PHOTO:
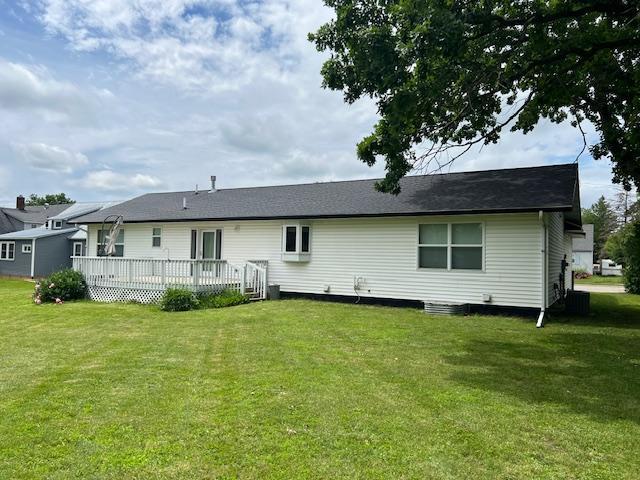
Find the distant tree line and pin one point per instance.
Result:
(50, 199)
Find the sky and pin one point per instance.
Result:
(109, 99)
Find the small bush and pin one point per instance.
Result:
(61, 286)
(178, 300)
(226, 298)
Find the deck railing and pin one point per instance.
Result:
(160, 274)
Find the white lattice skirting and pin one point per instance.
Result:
(119, 294)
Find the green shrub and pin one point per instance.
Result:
(61, 286)
(178, 300)
(226, 298)
(632, 269)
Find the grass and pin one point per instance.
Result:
(600, 280)
(301, 389)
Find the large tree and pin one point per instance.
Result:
(50, 198)
(451, 74)
(605, 222)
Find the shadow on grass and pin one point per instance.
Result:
(607, 310)
(593, 374)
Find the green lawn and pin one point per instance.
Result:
(301, 389)
(600, 280)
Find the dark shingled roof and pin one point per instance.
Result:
(548, 188)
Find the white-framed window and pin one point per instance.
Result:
(57, 224)
(119, 243)
(296, 242)
(26, 248)
(156, 237)
(296, 239)
(34, 225)
(7, 251)
(77, 249)
(451, 246)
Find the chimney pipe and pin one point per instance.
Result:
(20, 202)
(184, 203)
(213, 183)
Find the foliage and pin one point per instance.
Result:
(50, 198)
(632, 268)
(581, 273)
(61, 286)
(616, 246)
(178, 300)
(300, 389)
(226, 298)
(604, 221)
(456, 74)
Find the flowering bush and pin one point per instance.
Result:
(60, 287)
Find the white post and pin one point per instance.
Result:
(243, 278)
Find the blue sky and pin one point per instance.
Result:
(112, 98)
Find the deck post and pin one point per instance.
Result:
(243, 279)
(164, 273)
(196, 274)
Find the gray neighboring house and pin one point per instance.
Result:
(582, 253)
(47, 246)
(24, 217)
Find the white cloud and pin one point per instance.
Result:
(32, 88)
(195, 45)
(110, 181)
(50, 157)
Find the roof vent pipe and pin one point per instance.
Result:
(213, 184)
(184, 203)
(196, 192)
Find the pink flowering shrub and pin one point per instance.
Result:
(60, 287)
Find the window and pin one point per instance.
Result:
(34, 225)
(77, 249)
(304, 248)
(296, 243)
(119, 243)
(291, 240)
(7, 251)
(156, 237)
(451, 246)
(26, 248)
(57, 224)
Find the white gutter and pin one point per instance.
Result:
(33, 257)
(543, 269)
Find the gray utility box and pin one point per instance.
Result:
(577, 303)
(273, 292)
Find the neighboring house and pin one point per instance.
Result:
(42, 250)
(25, 217)
(489, 238)
(582, 256)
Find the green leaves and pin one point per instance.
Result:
(440, 71)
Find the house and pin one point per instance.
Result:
(25, 217)
(48, 245)
(493, 238)
(582, 255)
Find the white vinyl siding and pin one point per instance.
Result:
(556, 252)
(381, 250)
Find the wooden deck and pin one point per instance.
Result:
(159, 274)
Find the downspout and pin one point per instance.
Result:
(543, 270)
(33, 257)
